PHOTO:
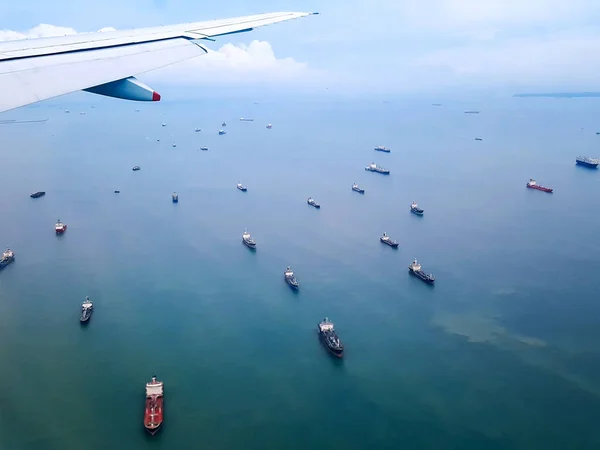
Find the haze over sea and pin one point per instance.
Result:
(501, 354)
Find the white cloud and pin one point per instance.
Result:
(42, 30)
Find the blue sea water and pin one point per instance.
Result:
(501, 354)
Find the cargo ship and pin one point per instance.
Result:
(312, 202)
(375, 168)
(415, 269)
(414, 208)
(587, 161)
(197, 130)
(153, 413)
(37, 194)
(269, 126)
(60, 227)
(471, 111)
(478, 139)
(175, 197)
(290, 278)
(224, 124)
(87, 307)
(248, 241)
(355, 188)
(7, 257)
(245, 119)
(532, 184)
(222, 132)
(135, 168)
(387, 240)
(381, 148)
(241, 187)
(330, 338)
(204, 148)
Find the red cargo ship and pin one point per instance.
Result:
(532, 184)
(153, 414)
(60, 227)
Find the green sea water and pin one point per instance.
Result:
(501, 354)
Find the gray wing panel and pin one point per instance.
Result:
(28, 80)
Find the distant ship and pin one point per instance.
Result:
(414, 208)
(330, 338)
(290, 278)
(175, 197)
(532, 184)
(436, 104)
(67, 111)
(415, 269)
(117, 191)
(478, 139)
(387, 240)
(312, 202)
(87, 307)
(153, 413)
(134, 168)
(381, 148)
(203, 148)
(248, 241)
(269, 126)
(587, 161)
(197, 130)
(471, 111)
(241, 187)
(37, 194)
(243, 119)
(224, 124)
(7, 257)
(164, 124)
(374, 168)
(355, 188)
(222, 132)
(174, 144)
(60, 227)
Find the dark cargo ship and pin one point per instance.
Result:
(7, 257)
(37, 194)
(290, 278)
(355, 188)
(241, 187)
(414, 208)
(375, 168)
(175, 197)
(587, 161)
(153, 413)
(312, 202)
(87, 307)
(387, 240)
(415, 269)
(330, 338)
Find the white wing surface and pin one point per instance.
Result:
(32, 70)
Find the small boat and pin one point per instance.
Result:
(355, 188)
(243, 119)
(224, 124)
(415, 269)
(67, 111)
(153, 413)
(381, 148)
(375, 168)
(37, 194)
(587, 161)
(330, 338)
(414, 208)
(222, 132)
(532, 184)
(387, 240)
(471, 111)
(60, 227)
(241, 187)
(203, 148)
(269, 126)
(478, 139)
(117, 191)
(82, 113)
(164, 124)
(174, 144)
(197, 130)
(87, 307)
(8, 256)
(312, 202)
(290, 278)
(247, 240)
(175, 197)
(135, 168)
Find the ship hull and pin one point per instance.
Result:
(418, 212)
(61, 230)
(381, 150)
(6, 262)
(335, 351)
(243, 189)
(360, 191)
(37, 194)
(250, 245)
(314, 205)
(382, 172)
(540, 188)
(421, 276)
(587, 164)
(391, 244)
(291, 283)
(153, 415)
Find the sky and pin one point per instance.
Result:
(366, 46)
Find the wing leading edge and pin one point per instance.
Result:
(32, 70)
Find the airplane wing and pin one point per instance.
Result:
(104, 63)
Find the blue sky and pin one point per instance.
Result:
(365, 45)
